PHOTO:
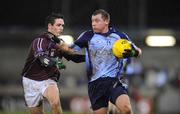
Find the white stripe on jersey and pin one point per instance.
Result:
(38, 43)
(41, 44)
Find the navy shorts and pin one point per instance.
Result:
(103, 90)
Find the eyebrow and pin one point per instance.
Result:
(61, 24)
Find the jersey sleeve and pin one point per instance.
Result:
(82, 41)
(125, 36)
(40, 45)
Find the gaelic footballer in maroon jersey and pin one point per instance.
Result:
(43, 65)
(44, 47)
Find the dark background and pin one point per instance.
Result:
(153, 13)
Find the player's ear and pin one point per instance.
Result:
(107, 21)
(49, 25)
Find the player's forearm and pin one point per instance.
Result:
(70, 54)
(75, 57)
(78, 58)
(139, 51)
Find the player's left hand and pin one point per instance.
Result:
(130, 53)
(60, 65)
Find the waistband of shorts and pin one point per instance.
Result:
(104, 79)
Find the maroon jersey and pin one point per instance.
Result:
(41, 46)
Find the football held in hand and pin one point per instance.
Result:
(119, 46)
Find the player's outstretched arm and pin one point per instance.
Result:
(70, 54)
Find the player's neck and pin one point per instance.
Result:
(105, 30)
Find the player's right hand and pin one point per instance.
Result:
(130, 53)
(65, 49)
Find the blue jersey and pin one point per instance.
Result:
(100, 60)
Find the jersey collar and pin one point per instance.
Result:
(111, 30)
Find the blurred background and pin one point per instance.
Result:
(154, 77)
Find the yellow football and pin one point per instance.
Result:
(119, 46)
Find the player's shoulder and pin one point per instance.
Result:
(41, 38)
(116, 30)
(87, 33)
(119, 32)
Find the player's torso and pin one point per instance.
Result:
(103, 61)
(33, 68)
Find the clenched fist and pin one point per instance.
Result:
(63, 47)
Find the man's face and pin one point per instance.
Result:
(57, 27)
(99, 25)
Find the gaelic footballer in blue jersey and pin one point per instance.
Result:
(103, 68)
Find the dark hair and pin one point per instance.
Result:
(51, 18)
(105, 14)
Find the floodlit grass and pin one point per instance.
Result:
(29, 113)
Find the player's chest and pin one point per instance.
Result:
(51, 51)
(100, 42)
